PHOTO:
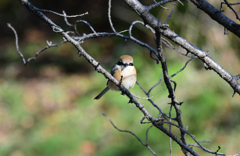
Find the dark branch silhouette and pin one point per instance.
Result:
(163, 36)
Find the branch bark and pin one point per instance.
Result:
(171, 91)
(160, 29)
(156, 24)
(217, 15)
(100, 69)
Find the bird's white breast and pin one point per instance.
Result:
(129, 77)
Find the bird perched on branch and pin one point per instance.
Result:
(125, 72)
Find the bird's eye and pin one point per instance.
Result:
(120, 63)
(130, 64)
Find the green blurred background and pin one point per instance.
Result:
(47, 107)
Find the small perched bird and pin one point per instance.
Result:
(123, 71)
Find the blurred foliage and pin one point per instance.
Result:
(47, 107)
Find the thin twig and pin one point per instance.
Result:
(45, 48)
(133, 38)
(169, 45)
(99, 69)
(49, 45)
(160, 111)
(170, 14)
(152, 6)
(109, 16)
(88, 24)
(170, 139)
(180, 2)
(230, 6)
(148, 94)
(144, 98)
(140, 22)
(182, 68)
(171, 91)
(63, 15)
(155, 84)
(66, 19)
(16, 41)
(127, 131)
(214, 13)
(198, 143)
(147, 132)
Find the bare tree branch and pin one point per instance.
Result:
(63, 15)
(91, 60)
(160, 30)
(156, 24)
(170, 14)
(230, 6)
(182, 68)
(217, 15)
(127, 131)
(16, 42)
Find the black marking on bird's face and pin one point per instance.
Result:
(120, 63)
(124, 65)
(131, 64)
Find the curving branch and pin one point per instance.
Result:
(171, 91)
(159, 29)
(156, 24)
(182, 67)
(90, 59)
(127, 131)
(230, 6)
(25, 62)
(100, 69)
(217, 15)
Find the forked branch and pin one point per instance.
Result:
(160, 30)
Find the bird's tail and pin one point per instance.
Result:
(102, 93)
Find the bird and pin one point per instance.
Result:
(125, 72)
